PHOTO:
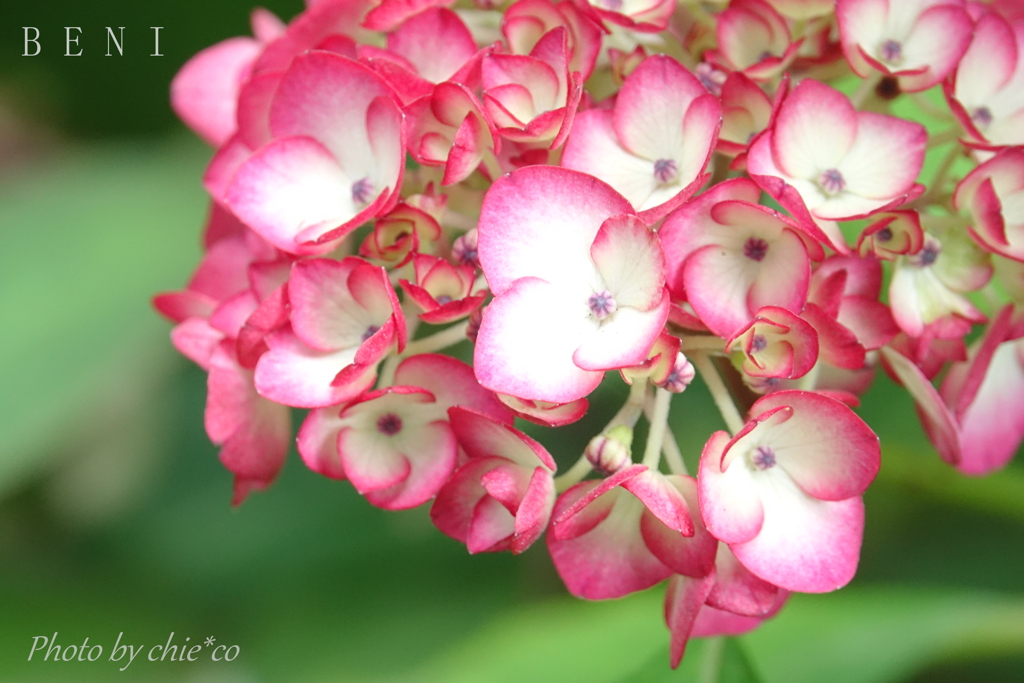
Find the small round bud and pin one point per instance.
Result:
(681, 375)
(464, 250)
(476, 318)
(610, 452)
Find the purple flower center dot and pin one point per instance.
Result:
(601, 304)
(892, 52)
(764, 458)
(755, 249)
(928, 255)
(758, 343)
(389, 424)
(832, 181)
(665, 170)
(982, 116)
(362, 191)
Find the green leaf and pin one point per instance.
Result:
(882, 635)
(857, 635)
(87, 239)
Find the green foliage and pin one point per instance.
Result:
(713, 660)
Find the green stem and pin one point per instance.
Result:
(437, 341)
(945, 137)
(659, 425)
(939, 179)
(387, 371)
(492, 166)
(711, 665)
(808, 381)
(628, 414)
(669, 448)
(719, 392)
(673, 456)
(702, 343)
(930, 109)
(865, 89)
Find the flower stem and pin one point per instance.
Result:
(493, 166)
(943, 138)
(866, 89)
(673, 456)
(387, 371)
(702, 343)
(628, 414)
(930, 109)
(669, 449)
(719, 392)
(437, 341)
(659, 425)
(939, 179)
(714, 648)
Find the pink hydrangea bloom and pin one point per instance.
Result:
(655, 143)
(579, 284)
(784, 493)
(919, 42)
(823, 160)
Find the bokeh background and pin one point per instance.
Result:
(115, 515)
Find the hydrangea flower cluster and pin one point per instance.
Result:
(656, 188)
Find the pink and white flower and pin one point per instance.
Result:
(845, 294)
(894, 234)
(926, 290)
(545, 412)
(433, 46)
(336, 158)
(395, 444)
(919, 42)
(449, 127)
(253, 432)
(784, 493)
(746, 111)
(987, 92)
(579, 285)
(648, 16)
(824, 160)
(728, 257)
(655, 143)
(400, 234)
(753, 39)
(502, 497)
(611, 537)
(994, 194)
(776, 343)
(533, 98)
(976, 419)
(728, 601)
(527, 21)
(345, 318)
(445, 292)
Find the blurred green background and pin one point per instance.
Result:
(115, 515)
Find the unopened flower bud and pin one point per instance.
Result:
(681, 375)
(610, 452)
(464, 250)
(475, 319)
